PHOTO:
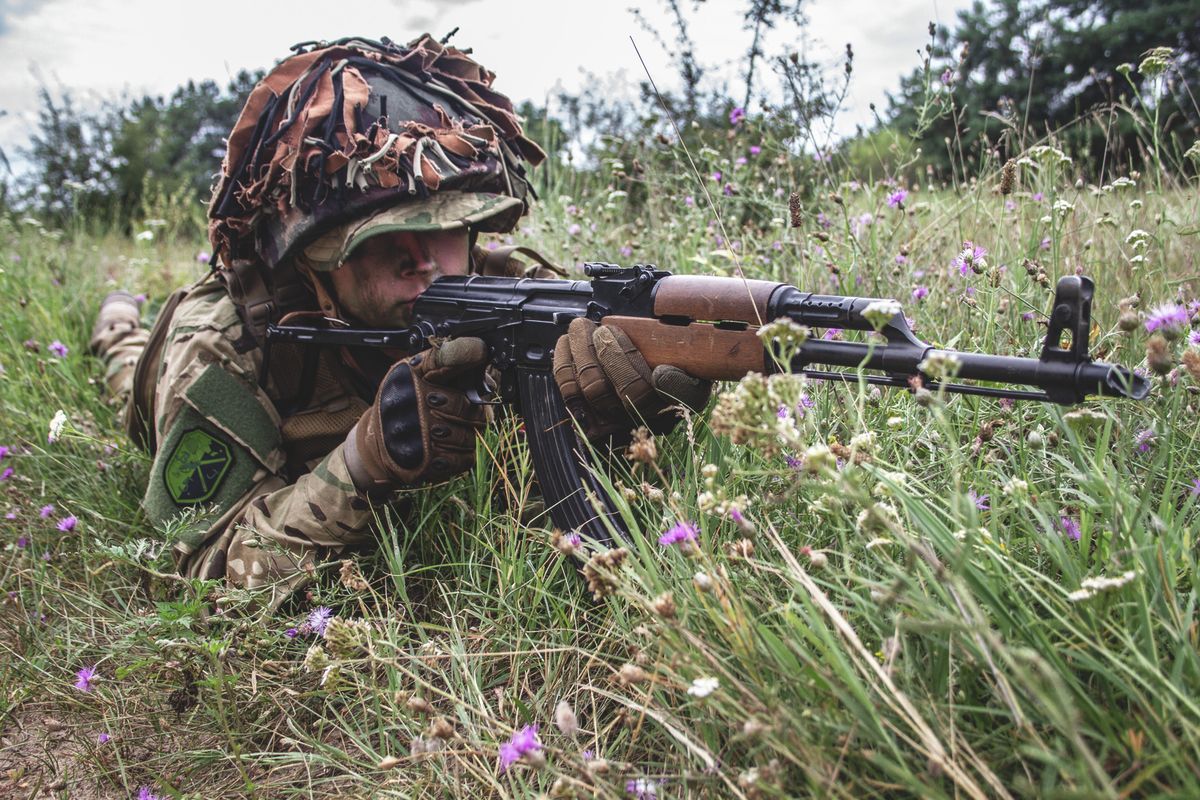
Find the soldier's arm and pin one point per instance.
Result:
(217, 485)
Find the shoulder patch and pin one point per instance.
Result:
(196, 466)
(199, 473)
(234, 407)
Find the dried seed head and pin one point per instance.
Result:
(388, 762)
(703, 582)
(664, 605)
(564, 543)
(753, 728)
(564, 718)
(642, 449)
(347, 638)
(1191, 362)
(631, 675)
(419, 705)
(600, 572)
(441, 728)
(1158, 355)
(795, 213)
(1008, 177)
(817, 559)
(1129, 321)
(351, 576)
(741, 549)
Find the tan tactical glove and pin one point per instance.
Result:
(610, 389)
(421, 428)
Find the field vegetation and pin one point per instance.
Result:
(831, 590)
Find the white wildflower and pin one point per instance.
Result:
(57, 424)
(1015, 487)
(145, 236)
(703, 687)
(881, 312)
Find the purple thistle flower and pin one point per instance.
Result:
(318, 619)
(832, 334)
(1169, 318)
(794, 463)
(145, 793)
(971, 259)
(1045, 245)
(522, 742)
(920, 292)
(1038, 197)
(896, 199)
(727, 190)
(678, 533)
(740, 161)
(139, 298)
(782, 413)
(67, 523)
(11, 515)
(1009, 205)
(203, 257)
(1194, 338)
(823, 220)
(8, 473)
(755, 149)
(1144, 440)
(46, 511)
(103, 738)
(626, 251)
(292, 633)
(1070, 528)
(1196, 487)
(689, 201)
(4, 451)
(84, 679)
(947, 77)
(980, 500)
(1027, 316)
(22, 542)
(573, 229)
(736, 515)
(737, 115)
(58, 348)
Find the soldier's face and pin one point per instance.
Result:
(384, 275)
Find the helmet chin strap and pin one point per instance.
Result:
(317, 281)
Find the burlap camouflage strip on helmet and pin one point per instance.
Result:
(343, 130)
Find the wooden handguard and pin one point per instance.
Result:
(699, 349)
(709, 298)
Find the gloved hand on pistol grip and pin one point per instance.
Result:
(421, 428)
(609, 387)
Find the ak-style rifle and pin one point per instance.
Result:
(708, 326)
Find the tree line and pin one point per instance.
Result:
(1084, 75)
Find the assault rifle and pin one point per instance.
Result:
(708, 327)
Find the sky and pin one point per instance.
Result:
(99, 49)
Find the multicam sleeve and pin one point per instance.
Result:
(217, 487)
(279, 531)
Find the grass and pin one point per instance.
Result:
(874, 629)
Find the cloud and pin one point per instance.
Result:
(12, 10)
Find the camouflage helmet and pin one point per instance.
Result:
(342, 132)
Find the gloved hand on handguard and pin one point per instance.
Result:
(421, 428)
(609, 388)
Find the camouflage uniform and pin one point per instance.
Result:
(245, 491)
